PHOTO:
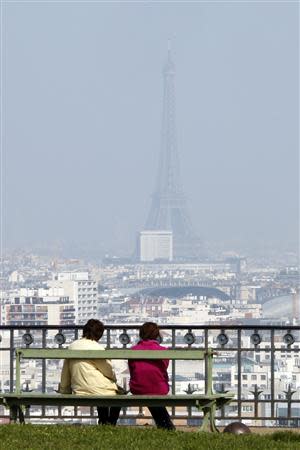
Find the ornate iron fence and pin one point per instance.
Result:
(260, 363)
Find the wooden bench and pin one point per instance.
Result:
(208, 403)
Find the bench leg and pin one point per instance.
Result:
(212, 417)
(208, 422)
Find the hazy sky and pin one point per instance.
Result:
(82, 109)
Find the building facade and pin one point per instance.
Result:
(156, 245)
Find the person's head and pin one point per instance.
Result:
(93, 330)
(149, 330)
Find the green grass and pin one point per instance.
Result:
(25, 437)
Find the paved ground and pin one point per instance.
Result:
(256, 430)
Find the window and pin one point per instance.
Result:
(247, 408)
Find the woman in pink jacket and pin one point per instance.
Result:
(150, 377)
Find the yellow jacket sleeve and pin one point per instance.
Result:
(65, 379)
(105, 367)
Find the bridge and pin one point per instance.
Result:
(179, 292)
(229, 289)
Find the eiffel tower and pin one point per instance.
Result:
(169, 207)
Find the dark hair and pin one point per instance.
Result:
(93, 330)
(149, 330)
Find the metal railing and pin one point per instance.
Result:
(260, 363)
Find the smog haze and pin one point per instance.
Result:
(82, 114)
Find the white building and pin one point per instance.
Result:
(34, 309)
(156, 246)
(83, 292)
(71, 276)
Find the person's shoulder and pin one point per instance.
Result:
(85, 344)
(135, 347)
(94, 345)
(161, 347)
(74, 345)
(98, 346)
(150, 344)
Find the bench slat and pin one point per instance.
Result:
(41, 395)
(40, 399)
(111, 354)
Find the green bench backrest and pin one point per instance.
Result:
(179, 354)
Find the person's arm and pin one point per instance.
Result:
(64, 386)
(165, 363)
(105, 367)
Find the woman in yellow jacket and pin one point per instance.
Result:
(91, 377)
